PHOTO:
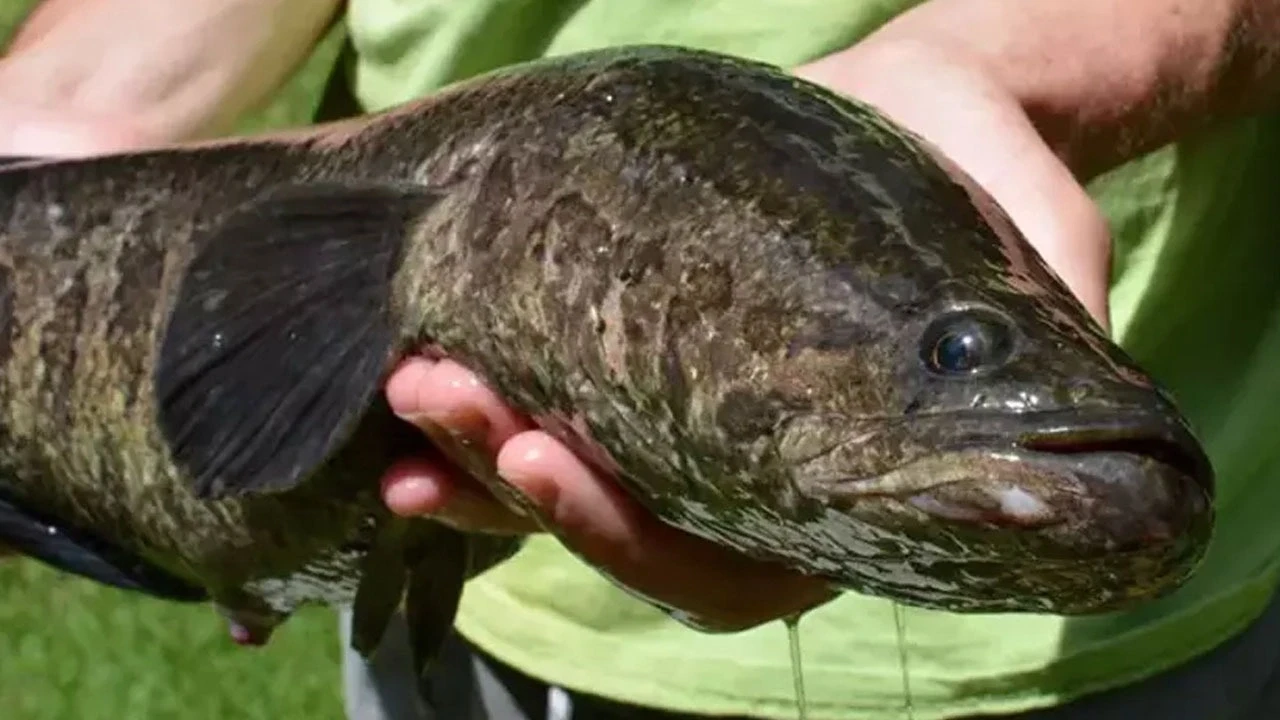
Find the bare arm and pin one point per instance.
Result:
(151, 71)
(1103, 80)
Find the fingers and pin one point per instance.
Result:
(434, 486)
(462, 415)
(447, 396)
(31, 131)
(714, 586)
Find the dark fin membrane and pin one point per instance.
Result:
(65, 548)
(281, 334)
(438, 571)
(382, 581)
(7, 160)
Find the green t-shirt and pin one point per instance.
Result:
(1194, 299)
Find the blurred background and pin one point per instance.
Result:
(72, 649)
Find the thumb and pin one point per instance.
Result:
(34, 132)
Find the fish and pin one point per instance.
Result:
(781, 321)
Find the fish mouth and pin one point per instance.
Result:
(1158, 438)
(1067, 512)
(1140, 485)
(1077, 485)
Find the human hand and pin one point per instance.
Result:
(31, 131)
(715, 588)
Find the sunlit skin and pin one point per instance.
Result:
(719, 587)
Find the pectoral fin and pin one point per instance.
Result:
(436, 577)
(382, 581)
(281, 334)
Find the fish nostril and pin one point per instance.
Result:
(1078, 391)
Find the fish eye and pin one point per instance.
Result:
(967, 342)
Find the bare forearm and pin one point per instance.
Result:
(1106, 80)
(162, 70)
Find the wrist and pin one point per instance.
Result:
(188, 70)
(1104, 82)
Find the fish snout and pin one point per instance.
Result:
(1143, 482)
(1066, 514)
(1078, 486)
(1082, 516)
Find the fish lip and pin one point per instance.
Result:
(1163, 438)
(1157, 434)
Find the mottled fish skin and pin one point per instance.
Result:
(705, 275)
(89, 255)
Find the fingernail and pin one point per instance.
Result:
(416, 496)
(248, 628)
(529, 455)
(467, 380)
(519, 500)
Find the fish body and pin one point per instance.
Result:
(782, 322)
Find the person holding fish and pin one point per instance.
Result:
(1132, 143)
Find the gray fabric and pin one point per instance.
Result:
(382, 688)
(463, 687)
(1240, 680)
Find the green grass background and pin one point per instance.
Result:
(70, 649)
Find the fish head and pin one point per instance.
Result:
(951, 409)
(984, 445)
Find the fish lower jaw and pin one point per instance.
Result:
(1014, 530)
(990, 486)
(915, 476)
(1124, 499)
(1060, 586)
